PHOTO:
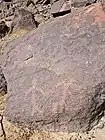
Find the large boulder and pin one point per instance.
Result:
(56, 74)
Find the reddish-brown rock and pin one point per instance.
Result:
(56, 74)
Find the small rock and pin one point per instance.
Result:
(60, 8)
(55, 8)
(39, 18)
(40, 8)
(103, 119)
(30, 2)
(23, 19)
(81, 3)
(3, 83)
(31, 8)
(65, 7)
(100, 125)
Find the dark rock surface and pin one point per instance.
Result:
(56, 74)
(4, 29)
(3, 83)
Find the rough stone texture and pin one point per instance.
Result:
(56, 74)
(23, 19)
(3, 83)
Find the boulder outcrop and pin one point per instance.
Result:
(56, 74)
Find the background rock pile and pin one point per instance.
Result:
(42, 10)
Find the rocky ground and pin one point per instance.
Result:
(42, 10)
(14, 25)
